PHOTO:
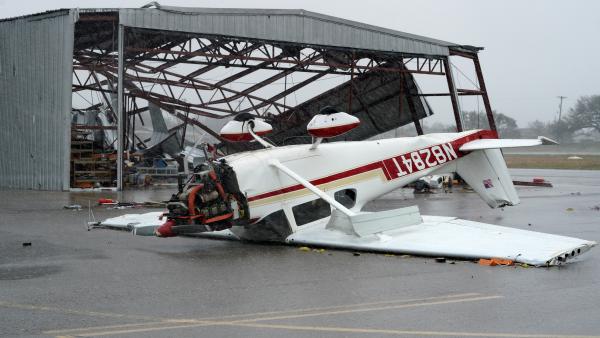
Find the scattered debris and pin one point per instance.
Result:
(422, 186)
(496, 261)
(570, 209)
(107, 201)
(440, 260)
(114, 204)
(428, 184)
(319, 250)
(574, 158)
(304, 249)
(536, 182)
(596, 207)
(26, 243)
(356, 253)
(405, 256)
(390, 255)
(73, 207)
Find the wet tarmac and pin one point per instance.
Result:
(70, 282)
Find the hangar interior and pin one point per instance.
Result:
(121, 93)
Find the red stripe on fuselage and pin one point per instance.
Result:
(327, 179)
(389, 167)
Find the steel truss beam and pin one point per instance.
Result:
(482, 88)
(152, 71)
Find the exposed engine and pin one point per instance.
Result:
(210, 201)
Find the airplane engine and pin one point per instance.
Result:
(210, 201)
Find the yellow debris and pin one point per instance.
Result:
(304, 248)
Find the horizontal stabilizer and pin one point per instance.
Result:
(505, 143)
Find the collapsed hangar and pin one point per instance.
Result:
(202, 66)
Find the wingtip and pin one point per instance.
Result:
(547, 141)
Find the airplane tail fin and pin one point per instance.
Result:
(486, 172)
(484, 169)
(158, 121)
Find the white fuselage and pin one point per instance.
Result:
(372, 168)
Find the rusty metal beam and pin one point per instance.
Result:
(453, 96)
(84, 17)
(196, 81)
(208, 68)
(461, 92)
(484, 94)
(411, 105)
(284, 61)
(292, 89)
(108, 101)
(463, 54)
(260, 85)
(241, 74)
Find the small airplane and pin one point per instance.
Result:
(313, 194)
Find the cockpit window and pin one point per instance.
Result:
(346, 197)
(311, 211)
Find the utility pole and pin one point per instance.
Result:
(558, 125)
(560, 106)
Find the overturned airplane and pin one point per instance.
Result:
(312, 194)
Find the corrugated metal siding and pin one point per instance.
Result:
(36, 58)
(279, 25)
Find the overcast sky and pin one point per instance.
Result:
(534, 50)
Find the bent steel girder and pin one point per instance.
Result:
(173, 70)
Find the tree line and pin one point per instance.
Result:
(582, 122)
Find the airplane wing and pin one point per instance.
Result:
(406, 231)
(434, 236)
(450, 237)
(145, 224)
(505, 143)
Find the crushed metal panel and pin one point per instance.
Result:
(375, 103)
(36, 58)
